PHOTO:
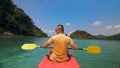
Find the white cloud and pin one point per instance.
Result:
(112, 29)
(113, 26)
(97, 23)
(68, 24)
(51, 31)
(109, 27)
(117, 26)
(118, 31)
(48, 31)
(95, 34)
(71, 32)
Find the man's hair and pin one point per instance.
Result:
(62, 27)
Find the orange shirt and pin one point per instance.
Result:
(61, 42)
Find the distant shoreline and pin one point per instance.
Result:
(21, 36)
(49, 37)
(10, 34)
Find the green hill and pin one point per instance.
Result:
(82, 35)
(113, 37)
(14, 20)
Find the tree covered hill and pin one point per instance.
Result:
(113, 37)
(16, 21)
(80, 34)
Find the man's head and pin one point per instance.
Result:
(59, 29)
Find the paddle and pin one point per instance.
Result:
(89, 49)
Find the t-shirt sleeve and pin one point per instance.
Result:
(70, 40)
(51, 40)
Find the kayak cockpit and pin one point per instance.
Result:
(47, 63)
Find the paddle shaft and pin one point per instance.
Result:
(67, 48)
(78, 48)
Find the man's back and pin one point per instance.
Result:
(60, 42)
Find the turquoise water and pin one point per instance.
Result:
(11, 56)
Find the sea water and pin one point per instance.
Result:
(12, 56)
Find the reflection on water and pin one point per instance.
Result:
(12, 56)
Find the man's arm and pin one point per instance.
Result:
(74, 46)
(46, 44)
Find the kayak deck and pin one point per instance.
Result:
(46, 63)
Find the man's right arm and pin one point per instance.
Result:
(46, 44)
(73, 45)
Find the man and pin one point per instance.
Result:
(61, 42)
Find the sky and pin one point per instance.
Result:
(97, 17)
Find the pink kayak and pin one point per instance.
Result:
(46, 63)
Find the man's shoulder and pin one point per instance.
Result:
(53, 36)
(60, 35)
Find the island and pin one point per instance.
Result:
(81, 34)
(14, 21)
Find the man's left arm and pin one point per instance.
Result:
(46, 44)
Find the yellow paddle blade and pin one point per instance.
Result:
(29, 46)
(93, 49)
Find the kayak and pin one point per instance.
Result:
(47, 63)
